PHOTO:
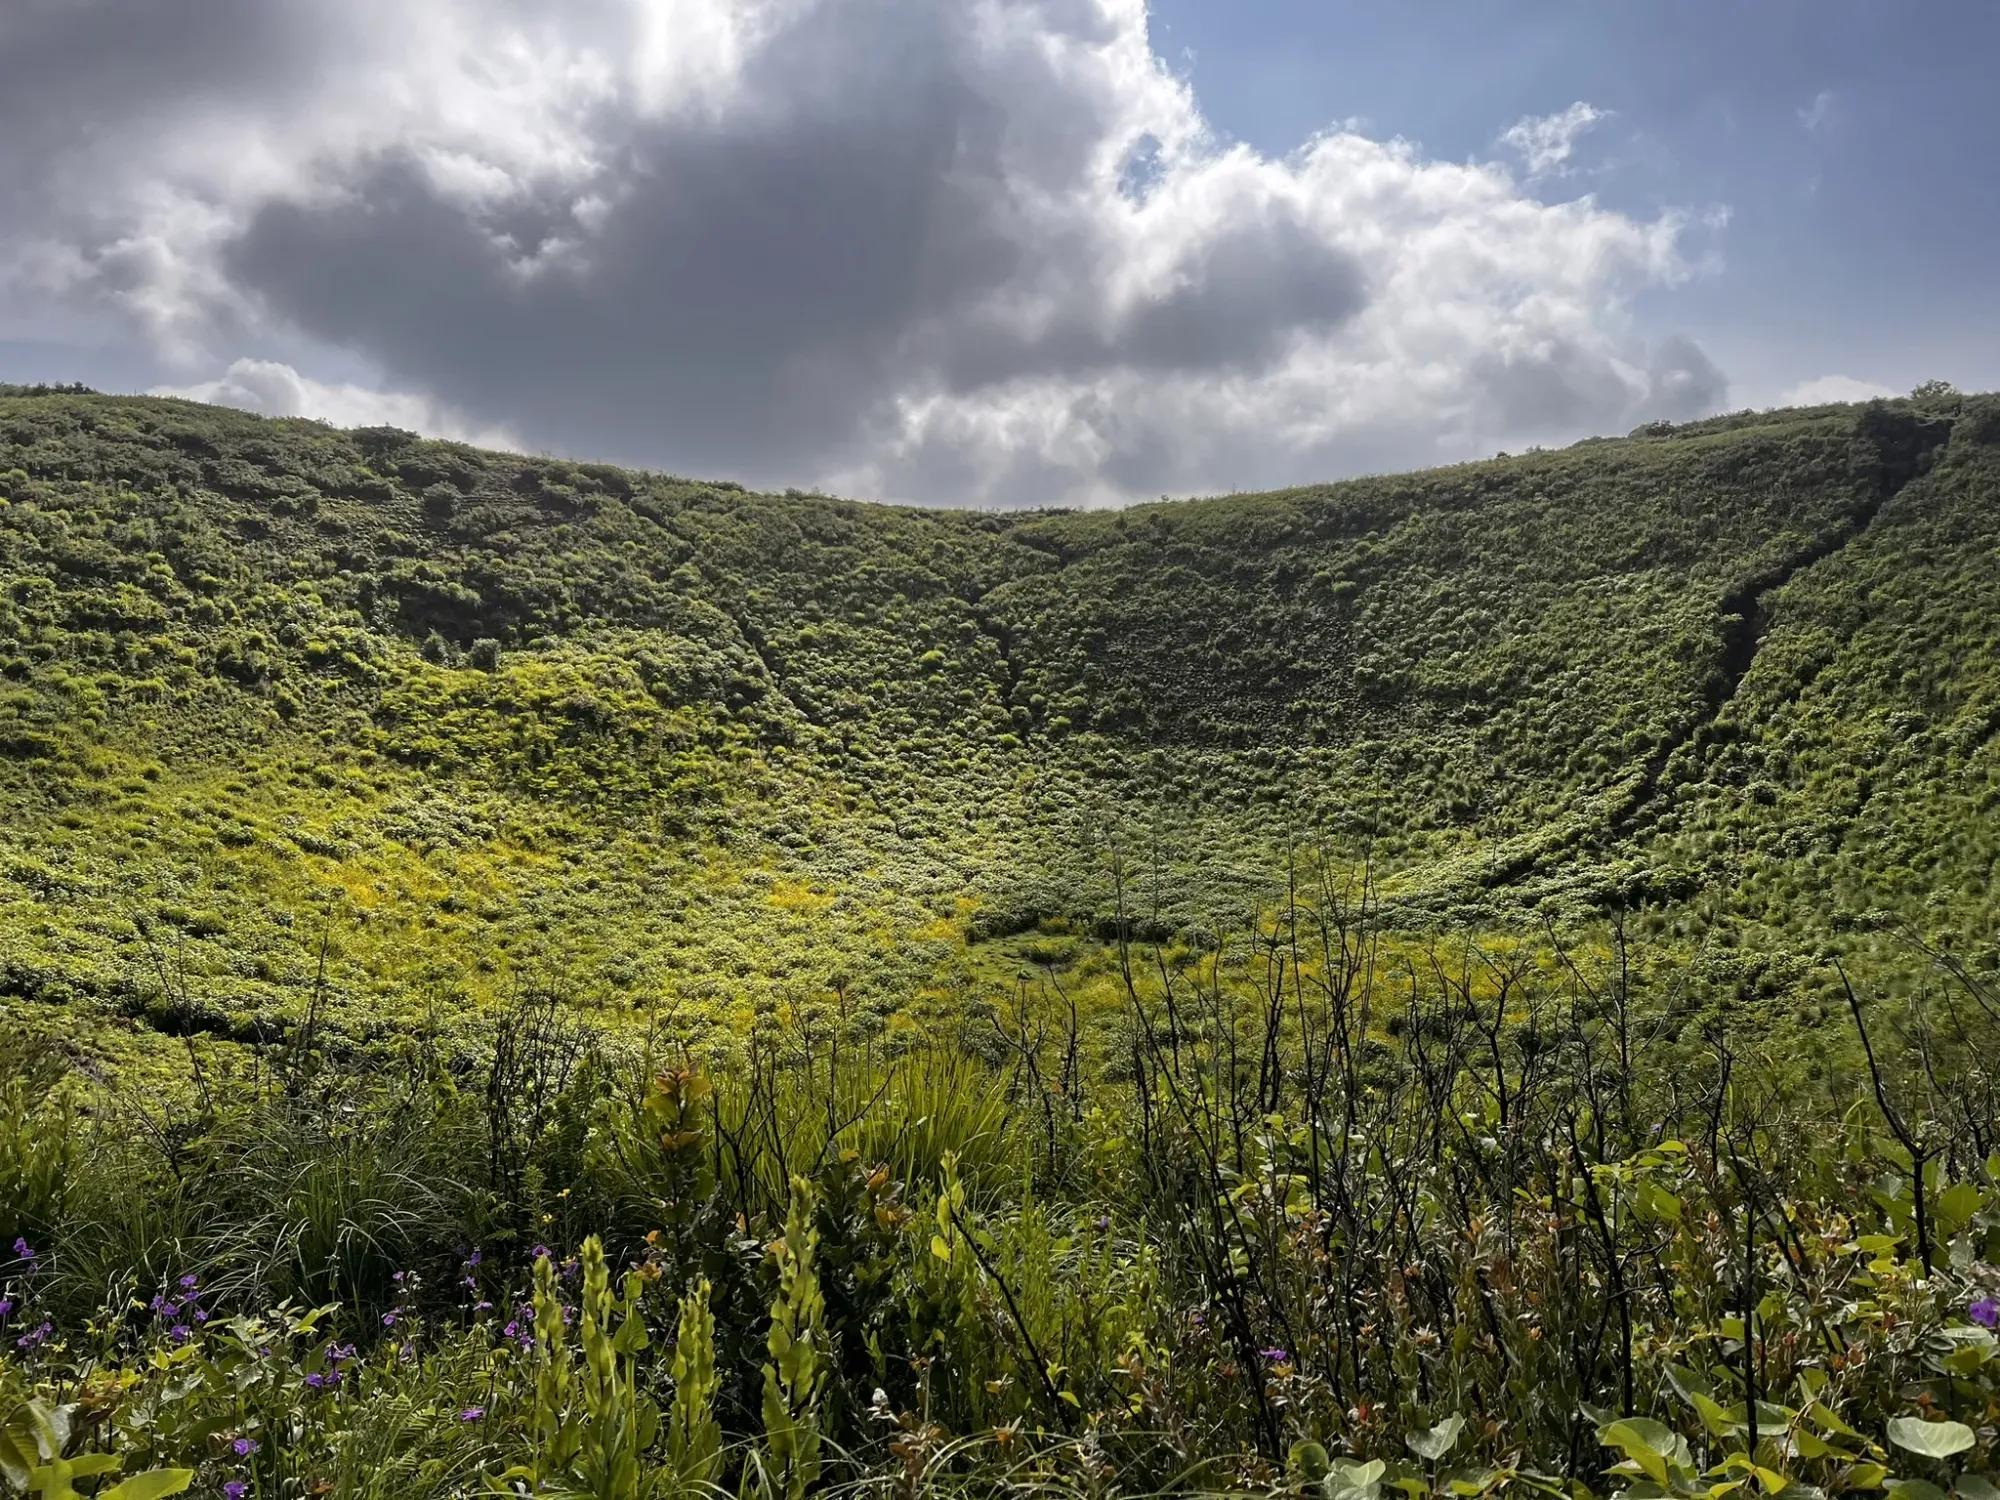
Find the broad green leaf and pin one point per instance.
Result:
(1974, 1487)
(1309, 1462)
(1931, 1439)
(1956, 1205)
(18, 1450)
(1966, 1359)
(1358, 1476)
(1439, 1441)
(1916, 1489)
(1655, 1204)
(1829, 1420)
(33, 1434)
(1719, 1422)
(1647, 1443)
(151, 1485)
(631, 1336)
(1811, 1445)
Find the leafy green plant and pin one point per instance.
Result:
(38, 1150)
(38, 1456)
(554, 1435)
(618, 1424)
(794, 1375)
(694, 1436)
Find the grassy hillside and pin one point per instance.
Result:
(523, 978)
(291, 716)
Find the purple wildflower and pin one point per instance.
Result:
(244, 1447)
(539, 1251)
(1275, 1356)
(180, 1333)
(480, 1307)
(388, 1320)
(21, 1250)
(316, 1380)
(235, 1489)
(472, 1414)
(1985, 1312)
(6, 1306)
(35, 1338)
(189, 1282)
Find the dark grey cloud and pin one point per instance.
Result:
(1682, 382)
(74, 69)
(935, 250)
(762, 283)
(1564, 386)
(746, 292)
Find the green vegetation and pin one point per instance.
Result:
(519, 975)
(1349, 1217)
(400, 729)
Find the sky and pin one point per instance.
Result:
(1001, 252)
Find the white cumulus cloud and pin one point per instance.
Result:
(1545, 143)
(1829, 389)
(987, 251)
(274, 389)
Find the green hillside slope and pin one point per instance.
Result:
(291, 716)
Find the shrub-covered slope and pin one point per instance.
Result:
(295, 716)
